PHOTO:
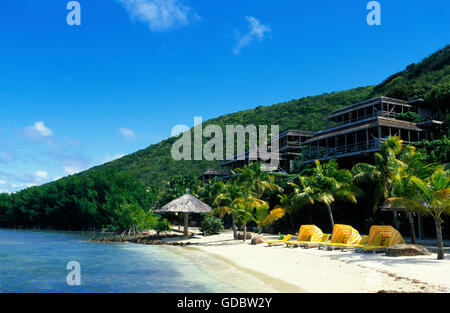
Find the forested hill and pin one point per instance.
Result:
(116, 195)
(155, 164)
(429, 79)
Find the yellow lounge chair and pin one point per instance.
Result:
(312, 244)
(302, 235)
(339, 241)
(286, 238)
(343, 237)
(387, 232)
(380, 238)
(375, 248)
(307, 233)
(362, 243)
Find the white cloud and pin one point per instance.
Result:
(160, 15)
(108, 157)
(41, 174)
(256, 31)
(38, 130)
(127, 133)
(15, 182)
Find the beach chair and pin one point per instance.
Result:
(272, 242)
(307, 233)
(381, 238)
(312, 244)
(377, 248)
(362, 243)
(343, 237)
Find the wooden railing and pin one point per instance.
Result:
(363, 117)
(322, 152)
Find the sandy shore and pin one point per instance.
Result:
(258, 268)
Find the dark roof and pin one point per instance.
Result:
(295, 132)
(377, 120)
(217, 172)
(368, 103)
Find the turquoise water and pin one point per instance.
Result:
(35, 261)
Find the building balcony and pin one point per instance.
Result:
(322, 153)
(387, 114)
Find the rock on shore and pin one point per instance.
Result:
(407, 250)
(147, 240)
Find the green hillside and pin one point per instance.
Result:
(155, 164)
(117, 195)
(429, 80)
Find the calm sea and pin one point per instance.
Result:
(36, 261)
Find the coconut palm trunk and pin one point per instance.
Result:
(259, 229)
(245, 231)
(412, 230)
(292, 222)
(331, 216)
(395, 218)
(233, 226)
(440, 245)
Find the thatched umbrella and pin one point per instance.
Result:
(185, 204)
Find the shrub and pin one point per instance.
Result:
(211, 225)
(162, 226)
(409, 117)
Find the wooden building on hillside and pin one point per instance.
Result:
(359, 129)
(354, 133)
(289, 145)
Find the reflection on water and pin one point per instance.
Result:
(35, 261)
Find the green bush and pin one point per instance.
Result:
(409, 117)
(211, 225)
(162, 226)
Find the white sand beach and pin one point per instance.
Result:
(258, 268)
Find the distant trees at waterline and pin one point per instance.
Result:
(98, 200)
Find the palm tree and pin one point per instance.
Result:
(383, 172)
(257, 180)
(402, 184)
(228, 202)
(287, 203)
(209, 192)
(244, 215)
(262, 216)
(327, 184)
(432, 198)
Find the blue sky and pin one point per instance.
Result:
(72, 97)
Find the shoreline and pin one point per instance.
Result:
(258, 268)
(233, 274)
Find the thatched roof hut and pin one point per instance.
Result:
(185, 204)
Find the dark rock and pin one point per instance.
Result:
(259, 239)
(406, 250)
(241, 236)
